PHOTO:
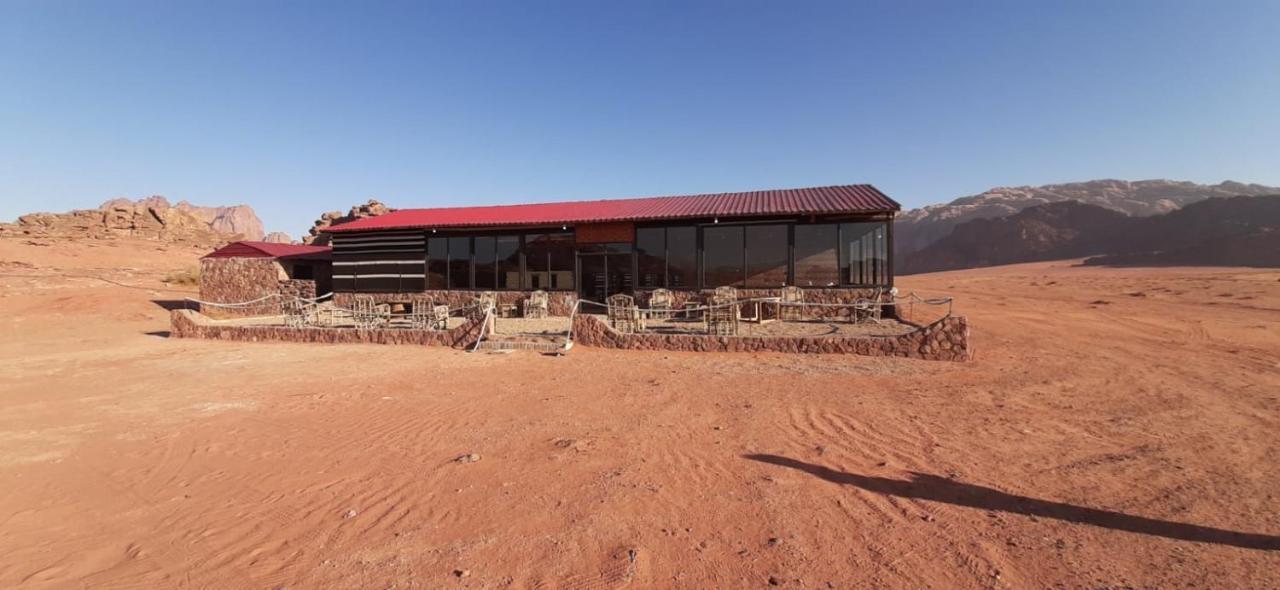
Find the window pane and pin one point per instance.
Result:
(817, 259)
(484, 262)
(549, 260)
(508, 262)
(682, 257)
(865, 252)
(560, 254)
(722, 255)
(766, 255)
(459, 263)
(651, 257)
(437, 263)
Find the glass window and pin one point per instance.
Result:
(817, 256)
(549, 261)
(651, 257)
(459, 263)
(766, 255)
(438, 263)
(508, 262)
(722, 256)
(864, 248)
(682, 257)
(484, 259)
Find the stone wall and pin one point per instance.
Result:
(297, 288)
(811, 295)
(945, 340)
(185, 323)
(237, 280)
(559, 303)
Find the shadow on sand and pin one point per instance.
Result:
(172, 304)
(939, 489)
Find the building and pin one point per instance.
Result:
(249, 271)
(834, 241)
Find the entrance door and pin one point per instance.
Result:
(605, 270)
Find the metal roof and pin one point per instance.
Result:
(251, 249)
(853, 198)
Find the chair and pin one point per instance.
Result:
(727, 291)
(296, 312)
(722, 315)
(791, 304)
(536, 305)
(440, 317)
(624, 316)
(868, 309)
(488, 300)
(420, 313)
(660, 302)
(366, 314)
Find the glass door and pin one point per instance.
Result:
(604, 270)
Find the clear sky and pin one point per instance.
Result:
(299, 108)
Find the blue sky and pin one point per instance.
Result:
(299, 108)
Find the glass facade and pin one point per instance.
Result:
(748, 255)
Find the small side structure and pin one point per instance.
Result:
(250, 271)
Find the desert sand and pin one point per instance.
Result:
(1118, 428)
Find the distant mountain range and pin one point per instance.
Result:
(1235, 231)
(986, 229)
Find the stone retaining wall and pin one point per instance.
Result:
(811, 295)
(945, 340)
(559, 303)
(186, 323)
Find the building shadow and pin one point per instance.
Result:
(172, 304)
(939, 489)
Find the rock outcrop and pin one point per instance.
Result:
(278, 237)
(917, 228)
(373, 208)
(236, 219)
(150, 218)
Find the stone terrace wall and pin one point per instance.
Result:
(559, 303)
(944, 340)
(186, 323)
(811, 295)
(236, 280)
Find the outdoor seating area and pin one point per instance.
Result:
(723, 313)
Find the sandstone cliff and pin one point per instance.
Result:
(150, 218)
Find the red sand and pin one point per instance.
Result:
(1117, 429)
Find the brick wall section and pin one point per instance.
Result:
(944, 340)
(560, 303)
(600, 233)
(236, 280)
(186, 323)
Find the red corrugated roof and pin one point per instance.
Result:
(853, 198)
(249, 249)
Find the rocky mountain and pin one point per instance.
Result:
(236, 219)
(151, 217)
(373, 208)
(1243, 231)
(278, 237)
(917, 228)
